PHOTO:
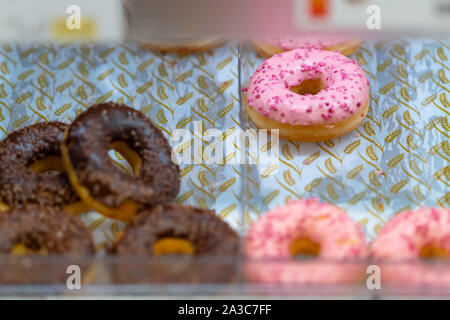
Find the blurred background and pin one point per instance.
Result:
(105, 20)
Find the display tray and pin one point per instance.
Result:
(212, 277)
(395, 161)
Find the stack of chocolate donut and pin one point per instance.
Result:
(51, 171)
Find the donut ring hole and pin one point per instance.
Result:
(31, 162)
(4, 207)
(22, 249)
(29, 244)
(431, 251)
(49, 165)
(96, 178)
(130, 156)
(308, 86)
(171, 245)
(304, 247)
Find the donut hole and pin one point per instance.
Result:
(49, 165)
(309, 86)
(128, 155)
(4, 207)
(304, 247)
(170, 245)
(28, 245)
(431, 251)
(125, 212)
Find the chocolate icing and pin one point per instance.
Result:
(45, 228)
(209, 234)
(215, 243)
(20, 186)
(89, 139)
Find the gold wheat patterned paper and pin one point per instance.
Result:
(397, 159)
(57, 82)
(405, 135)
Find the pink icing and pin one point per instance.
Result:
(306, 42)
(405, 234)
(346, 87)
(271, 236)
(401, 240)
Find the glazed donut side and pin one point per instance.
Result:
(309, 95)
(345, 47)
(306, 133)
(305, 227)
(24, 155)
(99, 183)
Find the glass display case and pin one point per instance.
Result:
(193, 82)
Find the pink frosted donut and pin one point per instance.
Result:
(309, 95)
(406, 240)
(305, 227)
(273, 45)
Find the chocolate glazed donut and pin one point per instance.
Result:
(48, 232)
(168, 229)
(24, 155)
(98, 182)
(44, 230)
